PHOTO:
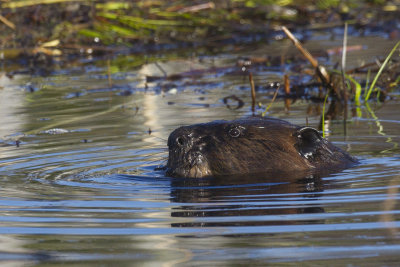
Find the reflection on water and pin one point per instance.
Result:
(81, 187)
(245, 201)
(12, 91)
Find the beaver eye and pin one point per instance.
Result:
(180, 140)
(234, 132)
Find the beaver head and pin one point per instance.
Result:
(251, 145)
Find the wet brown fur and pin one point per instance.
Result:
(263, 145)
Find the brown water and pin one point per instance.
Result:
(81, 187)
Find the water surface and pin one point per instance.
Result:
(78, 183)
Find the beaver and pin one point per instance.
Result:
(254, 145)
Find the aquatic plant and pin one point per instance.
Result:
(372, 87)
(129, 22)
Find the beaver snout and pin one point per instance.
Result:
(186, 139)
(186, 157)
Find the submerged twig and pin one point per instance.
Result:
(320, 70)
(343, 67)
(286, 82)
(109, 73)
(161, 69)
(272, 101)
(253, 93)
(298, 45)
(7, 22)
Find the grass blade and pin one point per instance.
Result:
(357, 95)
(367, 83)
(380, 71)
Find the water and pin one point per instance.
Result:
(80, 187)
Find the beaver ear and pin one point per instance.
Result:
(308, 141)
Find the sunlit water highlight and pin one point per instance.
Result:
(87, 192)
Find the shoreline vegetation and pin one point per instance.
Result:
(51, 26)
(40, 30)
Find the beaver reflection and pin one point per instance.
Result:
(231, 199)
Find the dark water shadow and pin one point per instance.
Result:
(246, 201)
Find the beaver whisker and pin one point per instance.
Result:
(159, 155)
(163, 161)
(157, 160)
(160, 152)
(194, 160)
(150, 150)
(162, 139)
